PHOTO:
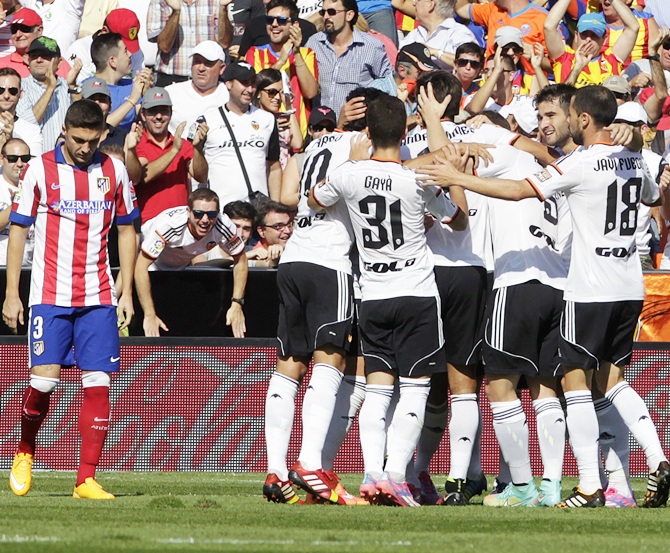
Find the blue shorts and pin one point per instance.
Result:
(92, 331)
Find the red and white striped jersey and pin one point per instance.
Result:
(73, 210)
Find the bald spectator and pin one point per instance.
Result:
(61, 18)
(26, 26)
(178, 26)
(439, 31)
(45, 98)
(122, 21)
(203, 90)
(14, 156)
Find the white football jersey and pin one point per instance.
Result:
(387, 209)
(325, 237)
(525, 234)
(604, 185)
(470, 247)
(171, 245)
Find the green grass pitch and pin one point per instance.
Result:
(225, 512)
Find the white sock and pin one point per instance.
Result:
(551, 436)
(317, 412)
(463, 428)
(511, 428)
(636, 416)
(407, 423)
(349, 399)
(372, 426)
(475, 467)
(614, 446)
(434, 424)
(582, 424)
(279, 412)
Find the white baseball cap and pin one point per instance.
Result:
(210, 50)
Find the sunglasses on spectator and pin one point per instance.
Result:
(666, 45)
(278, 226)
(13, 158)
(330, 11)
(271, 92)
(280, 19)
(199, 214)
(16, 27)
(621, 95)
(329, 126)
(463, 62)
(514, 47)
(13, 91)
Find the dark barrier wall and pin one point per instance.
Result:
(198, 405)
(193, 302)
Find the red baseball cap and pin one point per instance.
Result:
(28, 17)
(125, 23)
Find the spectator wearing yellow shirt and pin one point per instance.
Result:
(589, 64)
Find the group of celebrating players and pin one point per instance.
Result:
(429, 212)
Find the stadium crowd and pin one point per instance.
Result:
(240, 133)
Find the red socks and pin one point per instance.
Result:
(34, 409)
(93, 426)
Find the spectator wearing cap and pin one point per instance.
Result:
(204, 90)
(26, 26)
(619, 86)
(166, 162)
(634, 114)
(285, 53)
(322, 121)
(46, 96)
(413, 61)
(648, 29)
(121, 21)
(521, 115)
(510, 39)
(112, 64)
(589, 64)
(62, 18)
(438, 31)
(178, 26)
(522, 14)
(346, 57)
(256, 134)
(12, 125)
(97, 90)
(468, 67)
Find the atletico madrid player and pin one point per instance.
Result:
(72, 195)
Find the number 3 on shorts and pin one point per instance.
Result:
(38, 327)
